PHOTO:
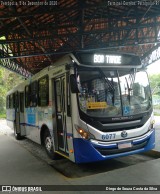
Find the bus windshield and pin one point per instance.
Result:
(113, 93)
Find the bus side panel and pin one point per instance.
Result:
(45, 118)
(22, 124)
(31, 123)
(10, 114)
(70, 139)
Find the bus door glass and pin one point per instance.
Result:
(60, 97)
(17, 113)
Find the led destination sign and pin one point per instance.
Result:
(108, 59)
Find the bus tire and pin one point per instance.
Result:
(17, 135)
(48, 145)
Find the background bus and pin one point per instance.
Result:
(89, 107)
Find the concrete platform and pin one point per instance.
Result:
(18, 166)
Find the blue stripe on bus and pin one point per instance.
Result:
(23, 124)
(70, 134)
(26, 124)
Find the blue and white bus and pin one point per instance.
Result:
(87, 107)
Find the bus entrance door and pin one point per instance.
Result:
(60, 99)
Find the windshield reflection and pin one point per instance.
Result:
(113, 93)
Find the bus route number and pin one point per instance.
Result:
(109, 136)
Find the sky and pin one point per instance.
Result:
(154, 68)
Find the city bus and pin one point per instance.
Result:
(87, 107)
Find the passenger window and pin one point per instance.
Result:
(21, 102)
(27, 96)
(58, 95)
(43, 91)
(64, 94)
(33, 94)
(12, 101)
(7, 102)
(16, 104)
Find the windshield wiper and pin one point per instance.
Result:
(129, 98)
(109, 83)
(132, 79)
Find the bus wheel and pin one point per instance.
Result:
(48, 144)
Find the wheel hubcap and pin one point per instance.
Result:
(48, 143)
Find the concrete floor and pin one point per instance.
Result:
(18, 166)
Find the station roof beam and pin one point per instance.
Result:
(37, 35)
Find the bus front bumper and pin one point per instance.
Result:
(93, 150)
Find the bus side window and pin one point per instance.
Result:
(7, 102)
(12, 101)
(33, 94)
(58, 95)
(27, 96)
(68, 96)
(16, 103)
(43, 91)
(21, 102)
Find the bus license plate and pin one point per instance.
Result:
(124, 145)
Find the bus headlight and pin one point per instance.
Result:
(84, 134)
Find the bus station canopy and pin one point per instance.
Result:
(34, 34)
